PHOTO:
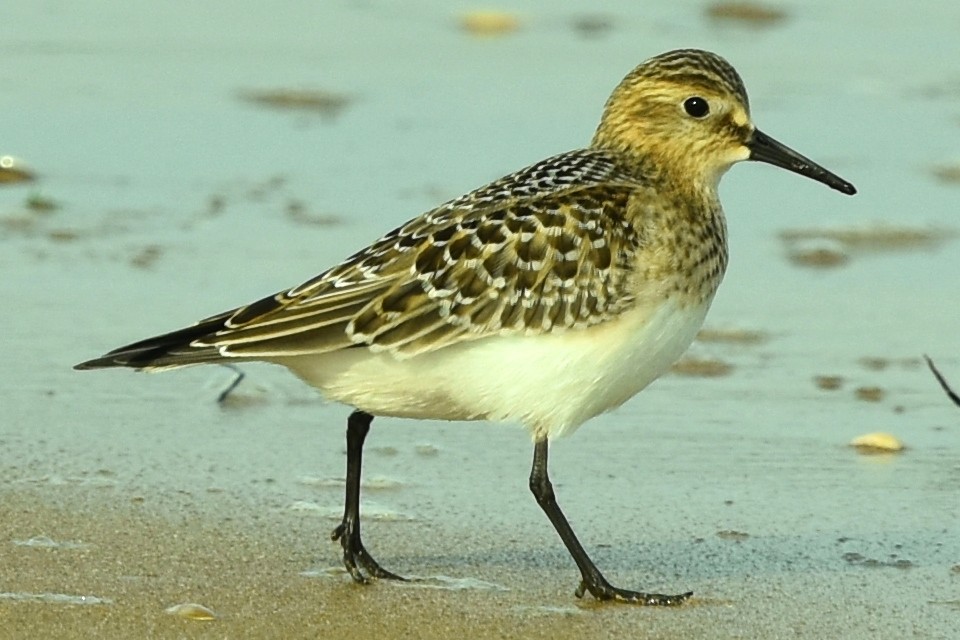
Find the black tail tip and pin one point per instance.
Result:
(97, 363)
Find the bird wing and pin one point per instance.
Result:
(546, 249)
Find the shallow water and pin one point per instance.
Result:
(178, 198)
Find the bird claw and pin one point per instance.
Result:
(604, 591)
(355, 557)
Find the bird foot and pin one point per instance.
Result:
(355, 556)
(604, 591)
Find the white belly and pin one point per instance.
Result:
(551, 383)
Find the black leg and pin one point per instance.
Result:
(238, 377)
(592, 580)
(348, 533)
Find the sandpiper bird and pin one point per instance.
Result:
(545, 298)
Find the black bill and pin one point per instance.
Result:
(763, 148)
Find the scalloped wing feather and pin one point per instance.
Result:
(541, 265)
(547, 248)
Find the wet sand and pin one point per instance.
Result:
(161, 195)
(780, 528)
(494, 569)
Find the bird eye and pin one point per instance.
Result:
(696, 106)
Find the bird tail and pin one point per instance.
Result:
(167, 351)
